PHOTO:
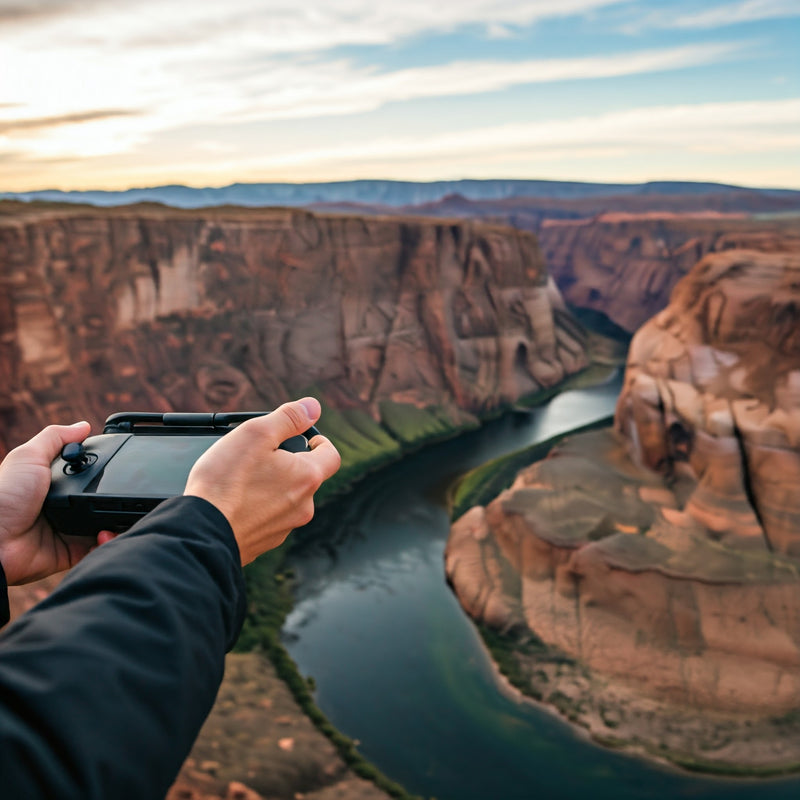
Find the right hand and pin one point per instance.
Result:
(265, 492)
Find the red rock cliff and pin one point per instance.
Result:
(663, 555)
(626, 265)
(144, 308)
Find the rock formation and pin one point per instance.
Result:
(626, 265)
(151, 308)
(653, 571)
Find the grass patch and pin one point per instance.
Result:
(413, 426)
(504, 649)
(481, 485)
(363, 444)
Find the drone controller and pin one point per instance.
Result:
(141, 459)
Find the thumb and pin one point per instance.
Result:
(287, 420)
(47, 444)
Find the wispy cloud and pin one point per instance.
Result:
(175, 93)
(282, 26)
(746, 11)
(20, 11)
(155, 86)
(733, 128)
(11, 126)
(720, 16)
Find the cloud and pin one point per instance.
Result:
(340, 89)
(205, 89)
(284, 26)
(22, 11)
(722, 15)
(746, 11)
(713, 128)
(12, 126)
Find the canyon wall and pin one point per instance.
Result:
(150, 308)
(661, 559)
(625, 265)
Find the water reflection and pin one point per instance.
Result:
(399, 666)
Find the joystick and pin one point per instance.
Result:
(74, 454)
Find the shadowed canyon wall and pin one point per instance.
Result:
(626, 265)
(660, 558)
(145, 308)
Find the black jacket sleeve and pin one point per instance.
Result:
(105, 684)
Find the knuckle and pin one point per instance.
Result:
(305, 513)
(297, 420)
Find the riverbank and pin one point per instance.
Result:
(367, 446)
(617, 712)
(615, 716)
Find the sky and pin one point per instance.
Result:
(113, 94)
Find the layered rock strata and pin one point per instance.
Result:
(651, 572)
(625, 265)
(148, 308)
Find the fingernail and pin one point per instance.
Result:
(311, 406)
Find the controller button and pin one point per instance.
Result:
(77, 458)
(295, 444)
(74, 453)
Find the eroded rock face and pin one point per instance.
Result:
(626, 265)
(136, 309)
(712, 398)
(663, 556)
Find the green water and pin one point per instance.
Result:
(399, 666)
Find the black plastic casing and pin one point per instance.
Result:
(73, 505)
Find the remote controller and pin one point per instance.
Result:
(112, 480)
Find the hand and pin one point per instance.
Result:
(265, 492)
(29, 548)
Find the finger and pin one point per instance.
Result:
(105, 536)
(47, 444)
(77, 548)
(325, 455)
(290, 419)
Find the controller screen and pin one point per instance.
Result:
(153, 465)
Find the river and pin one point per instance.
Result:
(399, 666)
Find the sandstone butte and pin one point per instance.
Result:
(152, 308)
(647, 577)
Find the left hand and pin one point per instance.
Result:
(29, 548)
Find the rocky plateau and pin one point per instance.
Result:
(648, 572)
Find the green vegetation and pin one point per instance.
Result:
(361, 441)
(414, 426)
(504, 649)
(481, 485)
(365, 445)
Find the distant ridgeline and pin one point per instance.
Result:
(409, 193)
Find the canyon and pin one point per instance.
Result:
(404, 328)
(640, 573)
(407, 331)
(645, 572)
